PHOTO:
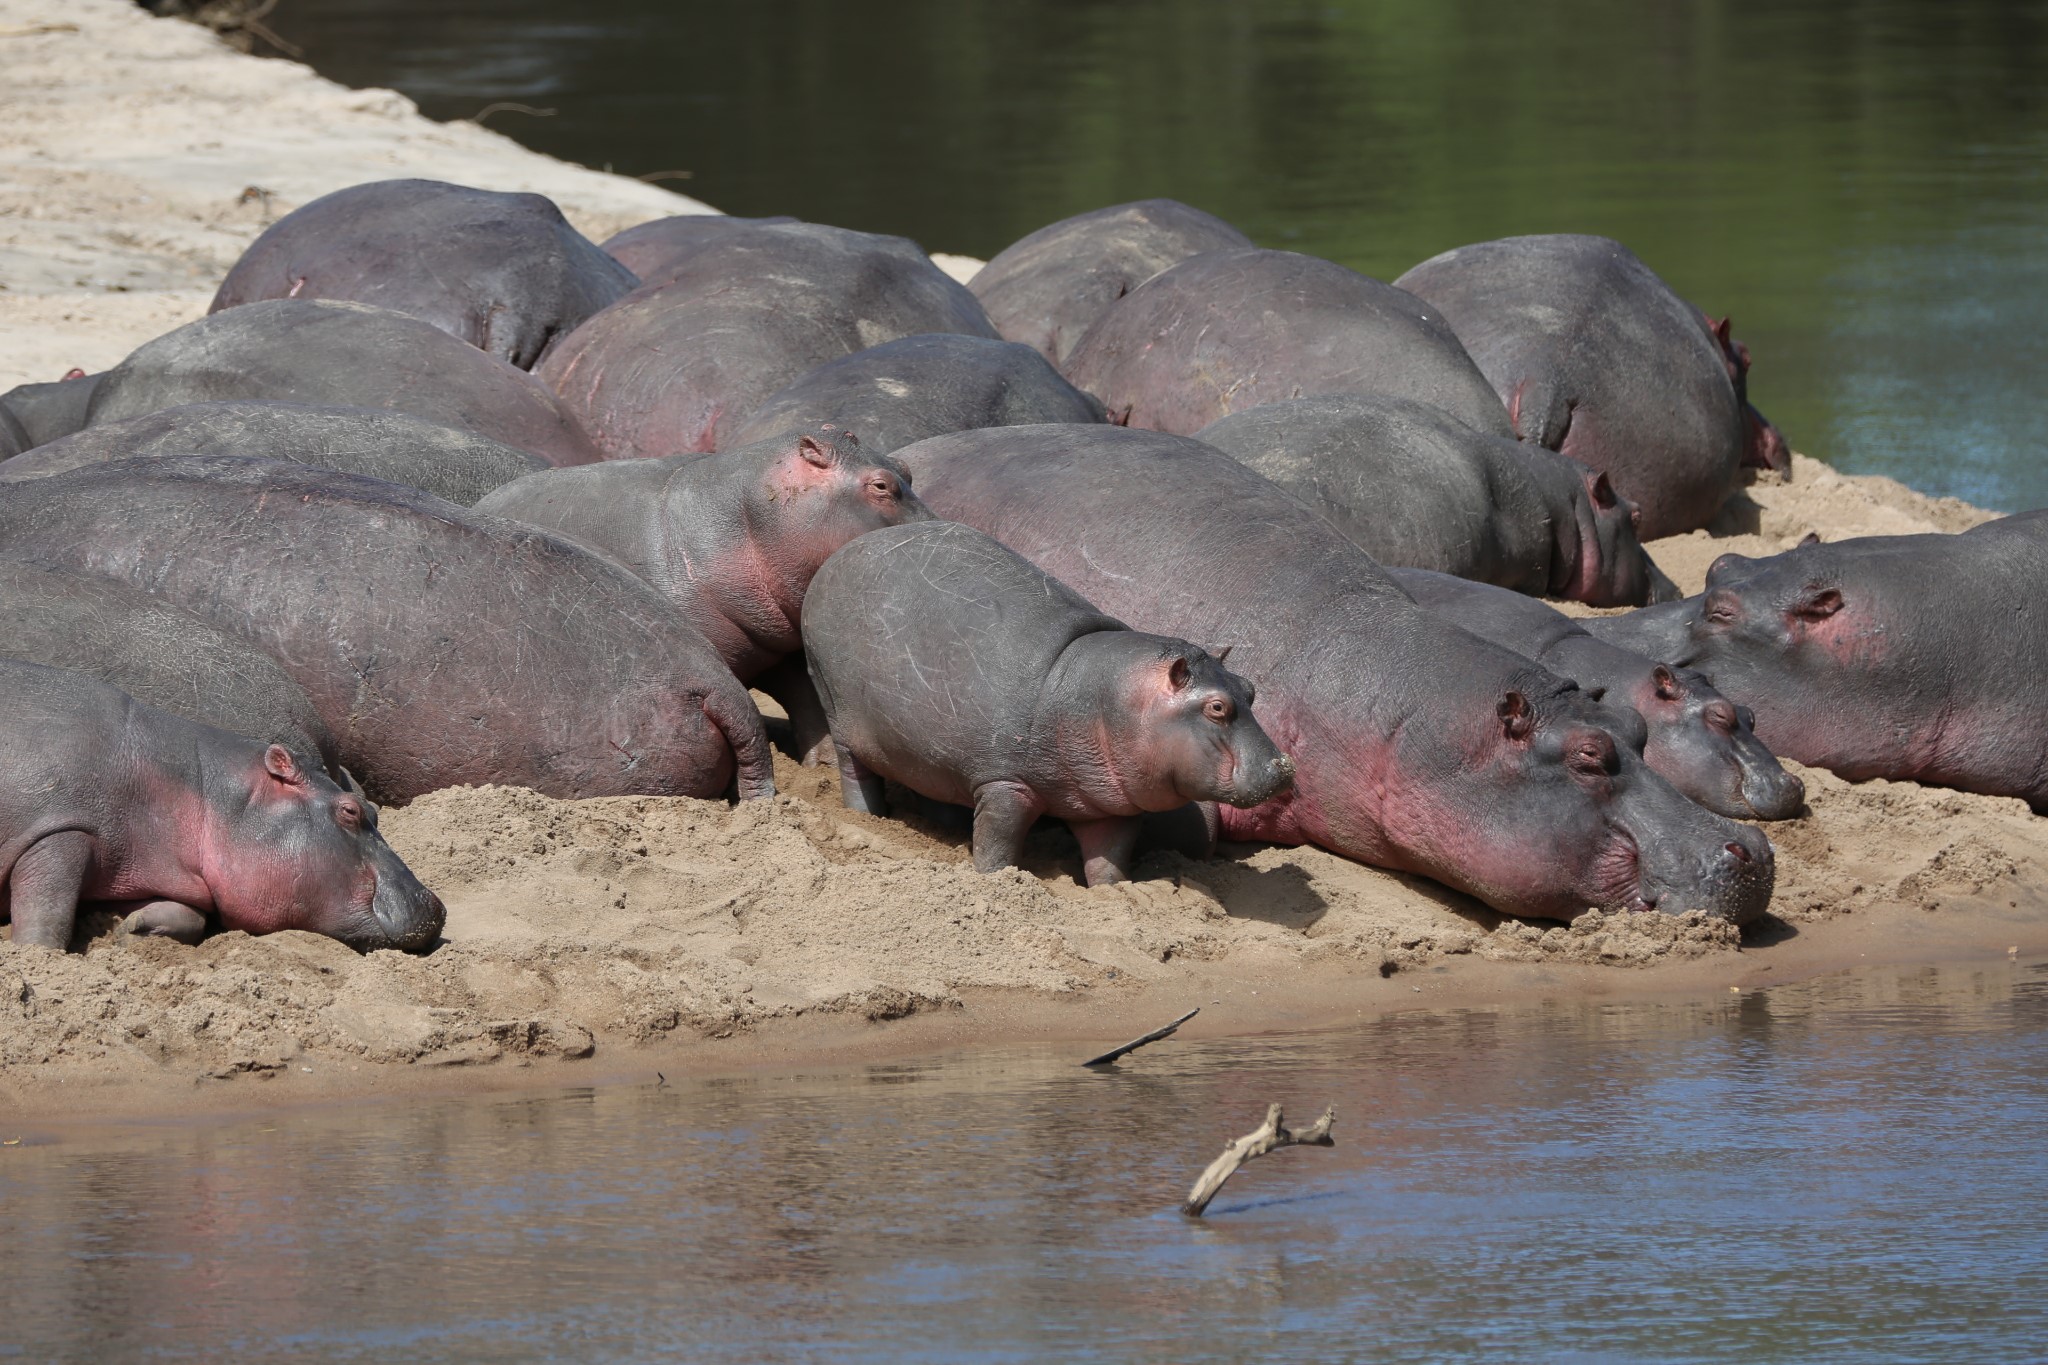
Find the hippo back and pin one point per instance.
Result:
(41, 413)
(448, 462)
(652, 251)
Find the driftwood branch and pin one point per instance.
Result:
(1268, 1136)
(1154, 1036)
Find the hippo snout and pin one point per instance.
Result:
(1260, 782)
(408, 916)
(1662, 589)
(1773, 795)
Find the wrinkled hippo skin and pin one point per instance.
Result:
(1417, 745)
(440, 646)
(1596, 357)
(157, 654)
(36, 414)
(900, 392)
(1922, 657)
(1048, 288)
(504, 272)
(1702, 743)
(1228, 330)
(342, 354)
(448, 462)
(679, 366)
(1413, 486)
(104, 799)
(652, 251)
(952, 666)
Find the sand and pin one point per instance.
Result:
(602, 938)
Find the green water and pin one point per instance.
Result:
(1861, 185)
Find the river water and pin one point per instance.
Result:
(1860, 183)
(1848, 1169)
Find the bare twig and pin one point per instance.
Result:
(1154, 1036)
(509, 106)
(31, 30)
(653, 176)
(1268, 1136)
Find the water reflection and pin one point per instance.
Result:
(1840, 1170)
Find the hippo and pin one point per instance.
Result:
(104, 799)
(1597, 357)
(1413, 486)
(1702, 743)
(732, 539)
(36, 414)
(159, 655)
(448, 462)
(504, 272)
(903, 391)
(1231, 329)
(441, 647)
(1763, 445)
(1921, 657)
(677, 367)
(653, 250)
(1417, 745)
(324, 352)
(1048, 288)
(950, 665)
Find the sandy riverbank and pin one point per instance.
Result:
(598, 937)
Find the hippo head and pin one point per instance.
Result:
(1763, 445)
(1614, 570)
(1706, 746)
(291, 850)
(816, 492)
(1180, 727)
(1555, 810)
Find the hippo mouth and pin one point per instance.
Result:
(1279, 776)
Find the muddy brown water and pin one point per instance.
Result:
(1847, 1169)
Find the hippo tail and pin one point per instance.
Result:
(733, 712)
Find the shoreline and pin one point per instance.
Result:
(591, 942)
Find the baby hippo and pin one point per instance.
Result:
(105, 800)
(953, 666)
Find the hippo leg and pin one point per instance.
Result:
(789, 682)
(1191, 830)
(165, 919)
(1108, 848)
(42, 891)
(1004, 813)
(859, 787)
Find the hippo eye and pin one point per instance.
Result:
(882, 486)
(1218, 709)
(1593, 755)
(1720, 715)
(348, 813)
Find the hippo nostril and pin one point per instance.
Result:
(1740, 854)
(1284, 766)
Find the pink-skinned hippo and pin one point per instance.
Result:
(440, 646)
(1413, 486)
(104, 800)
(504, 272)
(1231, 329)
(653, 250)
(1703, 744)
(900, 392)
(1596, 356)
(731, 539)
(1921, 657)
(1047, 288)
(448, 462)
(36, 414)
(678, 366)
(952, 666)
(320, 351)
(1417, 745)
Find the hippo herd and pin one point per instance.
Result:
(1143, 521)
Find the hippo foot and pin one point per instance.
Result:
(1108, 849)
(860, 787)
(165, 919)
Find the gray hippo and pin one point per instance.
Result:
(947, 663)
(441, 647)
(448, 462)
(346, 354)
(106, 800)
(900, 392)
(1411, 485)
(1702, 743)
(36, 414)
(1228, 330)
(653, 250)
(1922, 657)
(1048, 288)
(159, 655)
(504, 272)
(1417, 745)
(732, 539)
(1597, 357)
(677, 367)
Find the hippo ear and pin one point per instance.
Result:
(1178, 674)
(1223, 654)
(1602, 491)
(1817, 604)
(1516, 720)
(813, 452)
(1810, 538)
(1665, 683)
(279, 763)
(1721, 328)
